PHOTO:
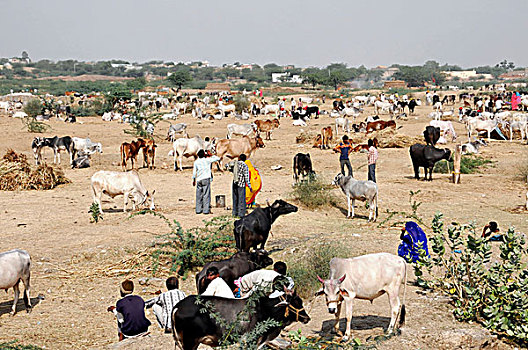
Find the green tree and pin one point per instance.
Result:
(180, 78)
(25, 55)
(33, 108)
(335, 78)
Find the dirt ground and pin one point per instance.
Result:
(77, 265)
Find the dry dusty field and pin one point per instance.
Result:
(75, 261)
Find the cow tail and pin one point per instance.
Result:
(402, 311)
(123, 156)
(238, 236)
(377, 201)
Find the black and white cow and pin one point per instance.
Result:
(56, 143)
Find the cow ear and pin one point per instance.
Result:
(153, 192)
(319, 292)
(344, 293)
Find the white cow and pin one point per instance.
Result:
(15, 266)
(299, 122)
(223, 109)
(342, 122)
(306, 100)
(365, 277)
(361, 190)
(186, 147)
(446, 128)
(382, 106)
(351, 112)
(171, 116)
(126, 183)
(180, 128)
(519, 125)
(180, 107)
(85, 146)
(474, 124)
(270, 109)
(240, 129)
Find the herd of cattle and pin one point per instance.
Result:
(366, 277)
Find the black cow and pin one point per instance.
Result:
(412, 105)
(192, 323)
(312, 110)
(253, 229)
(302, 165)
(402, 105)
(57, 144)
(431, 135)
(236, 266)
(298, 115)
(449, 99)
(436, 99)
(338, 105)
(426, 156)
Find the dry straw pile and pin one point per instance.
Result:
(17, 174)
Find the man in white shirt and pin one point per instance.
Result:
(163, 304)
(264, 280)
(202, 177)
(217, 287)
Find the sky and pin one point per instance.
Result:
(300, 32)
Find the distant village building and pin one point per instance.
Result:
(286, 78)
(387, 73)
(514, 75)
(218, 87)
(394, 84)
(127, 66)
(467, 75)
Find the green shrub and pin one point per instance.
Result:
(485, 288)
(95, 213)
(32, 125)
(13, 345)
(184, 250)
(313, 193)
(33, 107)
(82, 111)
(305, 268)
(469, 164)
(241, 103)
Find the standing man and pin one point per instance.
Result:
(293, 104)
(202, 178)
(372, 158)
(240, 181)
(163, 304)
(344, 149)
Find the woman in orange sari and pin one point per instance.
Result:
(256, 184)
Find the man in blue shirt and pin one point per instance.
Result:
(130, 313)
(344, 149)
(202, 177)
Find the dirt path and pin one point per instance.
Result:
(75, 262)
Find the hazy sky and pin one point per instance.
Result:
(300, 32)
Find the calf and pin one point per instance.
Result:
(130, 151)
(193, 322)
(327, 136)
(15, 266)
(267, 126)
(236, 266)
(85, 146)
(426, 156)
(473, 147)
(302, 165)
(361, 190)
(253, 229)
(149, 153)
(57, 144)
(115, 183)
(342, 122)
(365, 277)
(180, 128)
(380, 125)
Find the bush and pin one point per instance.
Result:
(186, 250)
(33, 108)
(313, 193)
(522, 170)
(82, 111)
(13, 345)
(490, 290)
(469, 164)
(305, 268)
(241, 103)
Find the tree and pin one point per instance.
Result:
(25, 55)
(180, 78)
(335, 78)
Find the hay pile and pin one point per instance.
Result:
(16, 174)
(306, 137)
(387, 138)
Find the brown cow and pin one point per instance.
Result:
(327, 135)
(267, 126)
(364, 147)
(130, 151)
(232, 148)
(380, 125)
(149, 152)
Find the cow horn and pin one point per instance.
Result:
(320, 279)
(267, 202)
(342, 278)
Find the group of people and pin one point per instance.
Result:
(243, 193)
(130, 309)
(344, 149)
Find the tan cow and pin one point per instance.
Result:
(267, 126)
(232, 148)
(149, 152)
(327, 135)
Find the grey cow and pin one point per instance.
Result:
(361, 190)
(15, 267)
(365, 277)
